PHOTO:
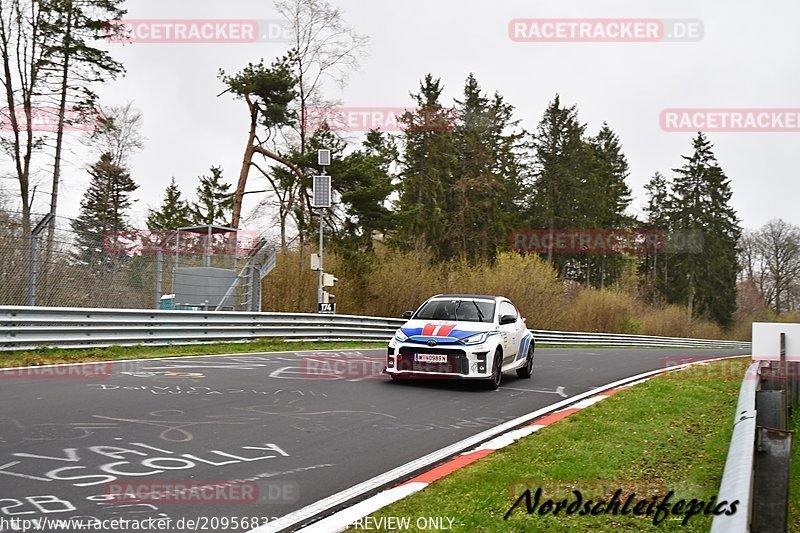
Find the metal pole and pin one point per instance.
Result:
(208, 248)
(32, 257)
(159, 270)
(32, 271)
(319, 287)
(782, 378)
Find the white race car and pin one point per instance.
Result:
(462, 336)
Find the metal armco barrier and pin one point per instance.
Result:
(66, 327)
(757, 468)
(737, 478)
(619, 339)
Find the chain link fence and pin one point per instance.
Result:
(201, 268)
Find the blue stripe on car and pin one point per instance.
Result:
(523, 346)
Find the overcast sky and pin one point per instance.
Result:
(747, 58)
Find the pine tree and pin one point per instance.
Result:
(609, 196)
(174, 211)
(654, 262)
(103, 211)
(559, 197)
(703, 272)
(426, 177)
(364, 182)
(214, 202)
(74, 63)
(487, 176)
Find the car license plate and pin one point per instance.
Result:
(430, 358)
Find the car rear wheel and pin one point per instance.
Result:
(497, 371)
(526, 371)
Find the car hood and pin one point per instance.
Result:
(443, 331)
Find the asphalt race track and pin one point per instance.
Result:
(292, 427)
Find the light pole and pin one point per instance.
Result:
(321, 200)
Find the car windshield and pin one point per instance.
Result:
(464, 310)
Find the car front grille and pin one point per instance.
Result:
(457, 362)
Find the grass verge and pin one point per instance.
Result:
(669, 433)
(794, 480)
(45, 356)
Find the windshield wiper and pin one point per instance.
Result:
(480, 315)
(455, 311)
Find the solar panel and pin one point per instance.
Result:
(321, 191)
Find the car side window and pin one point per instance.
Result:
(507, 309)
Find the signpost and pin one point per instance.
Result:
(321, 199)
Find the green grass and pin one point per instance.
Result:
(44, 356)
(670, 433)
(794, 480)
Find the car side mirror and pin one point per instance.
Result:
(408, 314)
(508, 319)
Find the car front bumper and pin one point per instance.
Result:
(463, 361)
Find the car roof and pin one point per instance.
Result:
(472, 296)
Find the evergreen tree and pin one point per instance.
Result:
(703, 272)
(487, 175)
(365, 183)
(74, 63)
(608, 198)
(174, 211)
(103, 211)
(426, 177)
(656, 210)
(214, 202)
(559, 197)
(654, 265)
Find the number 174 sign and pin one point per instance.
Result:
(327, 309)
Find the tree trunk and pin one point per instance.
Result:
(238, 194)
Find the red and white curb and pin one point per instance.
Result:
(478, 446)
(346, 517)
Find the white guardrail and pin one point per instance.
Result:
(67, 327)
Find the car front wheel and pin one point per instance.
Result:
(497, 371)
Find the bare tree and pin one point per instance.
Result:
(75, 64)
(23, 49)
(770, 259)
(326, 49)
(118, 133)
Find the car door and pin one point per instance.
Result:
(510, 332)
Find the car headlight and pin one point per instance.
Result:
(475, 339)
(399, 335)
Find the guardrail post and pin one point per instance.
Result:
(784, 393)
(159, 278)
(771, 465)
(32, 272)
(771, 483)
